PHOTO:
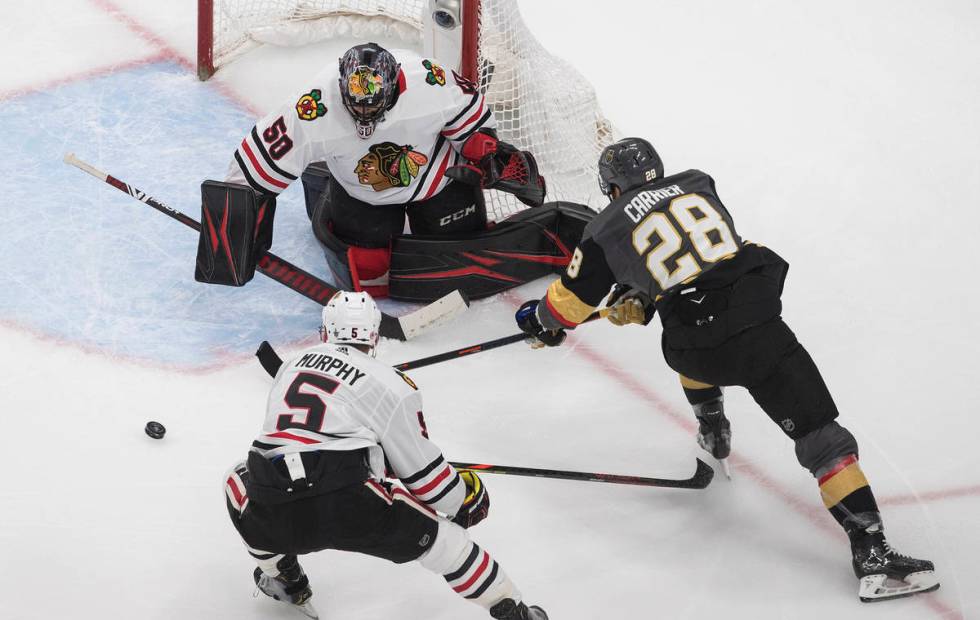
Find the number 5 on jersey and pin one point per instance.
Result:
(314, 405)
(689, 223)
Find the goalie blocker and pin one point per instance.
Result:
(236, 225)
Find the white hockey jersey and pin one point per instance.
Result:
(332, 397)
(406, 158)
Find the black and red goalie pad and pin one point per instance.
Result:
(236, 225)
(529, 245)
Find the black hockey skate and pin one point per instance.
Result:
(290, 586)
(715, 431)
(885, 574)
(508, 609)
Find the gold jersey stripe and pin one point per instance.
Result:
(842, 484)
(569, 307)
(691, 384)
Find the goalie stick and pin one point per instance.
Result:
(701, 478)
(271, 362)
(404, 327)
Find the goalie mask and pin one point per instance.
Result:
(351, 318)
(368, 85)
(628, 164)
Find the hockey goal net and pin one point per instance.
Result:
(541, 103)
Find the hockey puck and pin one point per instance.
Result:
(155, 430)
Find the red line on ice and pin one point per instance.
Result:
(83, 75)
(147, 34)
(930, 496)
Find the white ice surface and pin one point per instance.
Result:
(844, 135)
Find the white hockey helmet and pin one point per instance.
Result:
(351, 318)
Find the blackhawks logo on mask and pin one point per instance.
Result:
(309, 108)
(364, 83)
(436, 74)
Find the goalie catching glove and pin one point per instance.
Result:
(476, 506)
(527, 320)
(498, 165)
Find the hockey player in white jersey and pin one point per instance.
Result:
(385, 137)
(339, 425)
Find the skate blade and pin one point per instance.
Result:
(725, 469)
(308, 610)
(876, 588)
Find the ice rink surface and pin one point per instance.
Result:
(844, 135)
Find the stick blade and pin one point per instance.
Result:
(702, 477)
(268, 357)
(439, 312)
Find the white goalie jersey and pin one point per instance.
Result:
(406, 158)
(334, 397)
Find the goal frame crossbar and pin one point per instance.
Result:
(468, 61)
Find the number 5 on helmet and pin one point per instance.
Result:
(476, 506)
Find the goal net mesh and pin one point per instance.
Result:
(541, 103)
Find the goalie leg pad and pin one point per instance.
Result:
(236, 225)
(457, 208)
(356, 236)
(531, 244)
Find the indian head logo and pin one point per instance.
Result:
(309, 108)
(388, 165)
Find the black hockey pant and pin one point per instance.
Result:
(371, 518)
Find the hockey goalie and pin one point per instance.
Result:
(380, 138)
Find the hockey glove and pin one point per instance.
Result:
(476, 506)
(498, 165)
(527, 320)
(626, 306)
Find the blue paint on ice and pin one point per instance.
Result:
(84, 261)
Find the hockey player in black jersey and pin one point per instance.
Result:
(669, 246)
(340, 426)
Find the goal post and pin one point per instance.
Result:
(205, 39)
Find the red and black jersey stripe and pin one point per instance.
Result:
(465, 112)
(443, 156)
(433, 482)
(475, 575)
(259, 168)
(472, 118)
(474, 127)
(268, 159)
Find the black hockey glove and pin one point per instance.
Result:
(476, 506)
(527, 320)
(498, 165)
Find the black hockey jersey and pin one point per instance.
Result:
(666, 233)
(665, 237)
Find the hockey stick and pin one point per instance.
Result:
(701, 478)
(401, 328)
(271, 362)
(479, 348)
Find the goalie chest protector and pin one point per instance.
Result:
(236, 226)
